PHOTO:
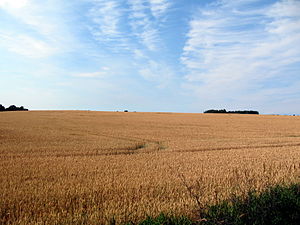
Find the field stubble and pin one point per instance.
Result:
(76, 167)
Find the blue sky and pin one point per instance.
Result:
(151, 55)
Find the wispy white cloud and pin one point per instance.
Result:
(159, 7)
(157, 72)
(104, 72)
(233, 48)
(27, 46)
(118, 28)
(35, 14)
(91, 75)
(145, 18)
(43, 32)
(106, 16)
(141, 25)
(107, 21)
(9, 4)
(138, 54)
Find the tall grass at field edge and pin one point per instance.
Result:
(276, 205)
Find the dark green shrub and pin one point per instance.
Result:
(167, 220)
(277, 205)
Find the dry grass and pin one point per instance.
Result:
(65, 167)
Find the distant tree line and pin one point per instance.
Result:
(12, 108)
(236, 112)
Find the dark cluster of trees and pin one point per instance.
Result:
(236, 112)
(12, 108)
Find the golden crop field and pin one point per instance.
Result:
(84, 167)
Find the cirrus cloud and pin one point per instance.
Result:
(235, 48)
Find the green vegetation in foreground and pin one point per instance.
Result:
(277, 205)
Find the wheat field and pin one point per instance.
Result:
(85, 167)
